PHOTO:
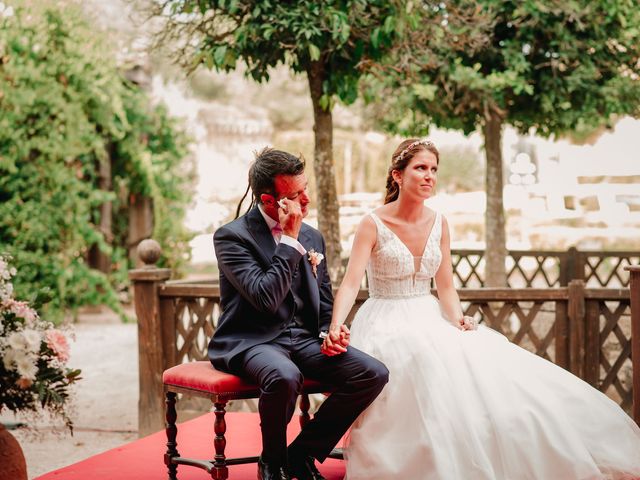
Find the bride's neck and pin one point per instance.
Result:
(409, 209)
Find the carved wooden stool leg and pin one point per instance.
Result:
(172, 432)
(305, 405)
(220, 470)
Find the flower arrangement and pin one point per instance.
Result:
(33, 354)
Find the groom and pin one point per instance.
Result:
(276, 303)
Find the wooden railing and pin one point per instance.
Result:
(545, 268)
(588, 331)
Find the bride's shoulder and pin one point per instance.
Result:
(382, 212)
(435, 214)
(368, 221)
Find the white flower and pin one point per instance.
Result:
(6, 291)
(8, 359)
(33, 339)
(26, 366)
(17, 341)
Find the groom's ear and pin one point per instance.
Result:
(267, 200)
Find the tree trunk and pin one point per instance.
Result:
(328, 209)
(495, 239)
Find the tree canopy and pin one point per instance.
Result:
(324, 40)
(553, 67)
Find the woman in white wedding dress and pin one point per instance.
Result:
(462, 403)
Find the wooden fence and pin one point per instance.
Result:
(546, 268)
(588, 331)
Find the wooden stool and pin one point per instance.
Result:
(201, 379)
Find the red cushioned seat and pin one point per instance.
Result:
(202, 377)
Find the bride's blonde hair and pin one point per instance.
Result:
(401, 158)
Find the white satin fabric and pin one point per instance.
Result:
(464, 405)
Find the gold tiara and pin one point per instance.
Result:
(425, 142)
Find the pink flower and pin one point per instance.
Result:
(23, 310)
(24, 383)
(57, 342)
(315, 258)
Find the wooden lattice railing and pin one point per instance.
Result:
(543, 268)
(585, 330)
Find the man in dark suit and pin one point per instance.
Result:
(276, 303)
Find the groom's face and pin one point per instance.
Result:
(293, 187)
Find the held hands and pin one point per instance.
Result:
(290, 217)
(337, 341)
(467, 323)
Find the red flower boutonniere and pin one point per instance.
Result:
(314, 259)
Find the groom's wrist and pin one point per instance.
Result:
(323, 334)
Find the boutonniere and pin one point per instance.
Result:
(314, 259)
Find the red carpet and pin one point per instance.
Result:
(143, 459)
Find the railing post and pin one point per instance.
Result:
(572, 266)
(634, 296)
(146, 281)
(577, 317)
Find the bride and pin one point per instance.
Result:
(462, 402)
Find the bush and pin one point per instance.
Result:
(67, 116)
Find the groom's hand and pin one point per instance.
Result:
(291, 216)
(336, 342)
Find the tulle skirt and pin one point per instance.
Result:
(471, 405)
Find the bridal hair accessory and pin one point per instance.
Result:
(426, 143)
(314, 259)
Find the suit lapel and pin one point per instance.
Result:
(305, 267)
(266, 246)
(261, 234)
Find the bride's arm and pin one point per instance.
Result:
(447, 294)
(363, 243)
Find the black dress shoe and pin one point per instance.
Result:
(304, 468)
(268, 471)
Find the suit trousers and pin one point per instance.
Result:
(279, 368)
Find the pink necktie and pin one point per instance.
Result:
(276, 231)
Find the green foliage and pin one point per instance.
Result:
(552, 66)
(65, 110)
(337, 34)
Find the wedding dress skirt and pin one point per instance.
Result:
(470, 405)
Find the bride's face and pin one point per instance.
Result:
(420, 175)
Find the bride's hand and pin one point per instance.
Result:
(468, 323)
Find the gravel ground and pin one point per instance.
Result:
(106, 399)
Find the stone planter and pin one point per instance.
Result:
(13, 464)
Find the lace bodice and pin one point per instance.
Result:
(391, 271)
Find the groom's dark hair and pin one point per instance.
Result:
(268, 163)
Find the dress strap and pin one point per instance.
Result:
(437, 228)
(376, 220)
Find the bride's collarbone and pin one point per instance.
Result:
(413, 235)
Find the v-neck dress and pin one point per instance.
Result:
(470, 404)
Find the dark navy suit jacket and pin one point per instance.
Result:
(255, 286)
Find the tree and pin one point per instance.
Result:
(553, 67)
(65, 112)
(324, 40)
